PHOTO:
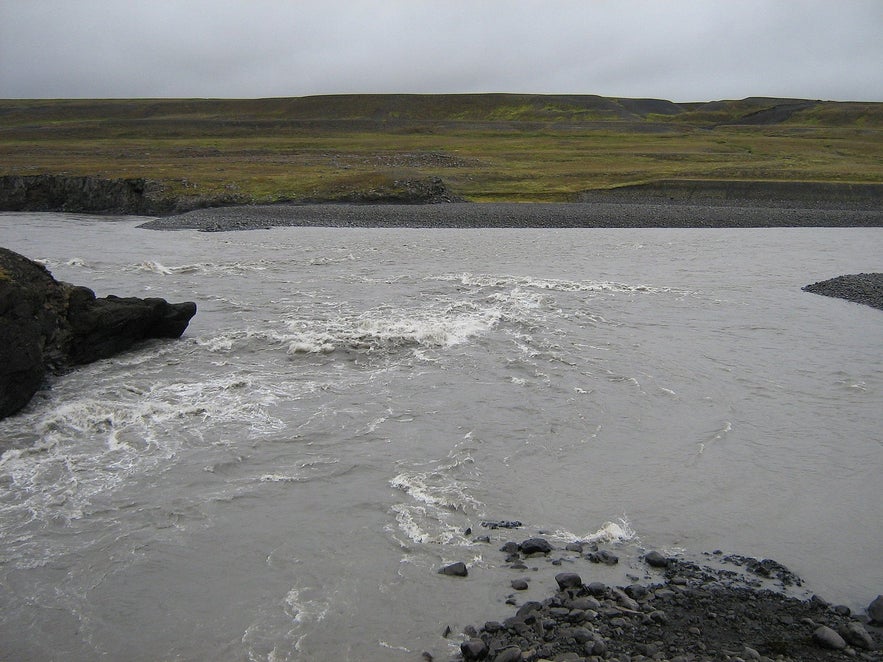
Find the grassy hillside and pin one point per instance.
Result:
(484, 146)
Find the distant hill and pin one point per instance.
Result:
(466, 108)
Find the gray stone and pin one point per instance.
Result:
(875, 610)
(596, 588)
(536, 546)
(568, 580)
(828, 638)
(655, 559)
(457, 569)
(519, 584)
(511, 654)
(856, 635)
(474, 649)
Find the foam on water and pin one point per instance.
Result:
(560, 285)
(88, 442)
(609, 532)
(392, 328)
(439, 506)
(201, 268)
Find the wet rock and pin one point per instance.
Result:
(512, 654)
(875, 610)
(655, 559)
(596, 588)
(713, 616)
(474, 649)
(535, 546)
(828, 638)
(47, 326)
(568, 580)
(856, 635)
(519, 584)
(502, 524)
(603, 556)
(457, 569)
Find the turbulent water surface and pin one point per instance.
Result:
(284, 481)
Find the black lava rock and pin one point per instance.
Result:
(535, 546)
(655, 559)
(457, 569)
(47, 326)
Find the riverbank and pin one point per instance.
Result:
(637, 213)
(677, 610)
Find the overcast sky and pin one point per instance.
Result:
(683, 50)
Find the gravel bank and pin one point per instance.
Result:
(859, 288)
(514, 215)
(734, 608)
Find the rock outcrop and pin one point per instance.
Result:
(47, 326)
(99, 195)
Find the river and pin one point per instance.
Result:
(285, 480)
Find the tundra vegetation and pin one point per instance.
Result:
(485, 147)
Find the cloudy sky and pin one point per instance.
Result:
(684, 50)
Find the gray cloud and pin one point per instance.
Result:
(676, 49)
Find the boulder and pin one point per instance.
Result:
(827, 638)
(568, 580)
(875, 610)
(656, 560)
(535, 546)
(48, 327)
(457, 569)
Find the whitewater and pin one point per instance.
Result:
(349, 405)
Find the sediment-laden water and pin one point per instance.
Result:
(284, 482)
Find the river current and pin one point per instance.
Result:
(285, 480)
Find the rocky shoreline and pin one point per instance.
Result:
(681, 612)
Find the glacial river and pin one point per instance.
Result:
(284, 481)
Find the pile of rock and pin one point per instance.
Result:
(694, 613)
(47, 326)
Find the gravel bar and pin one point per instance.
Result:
(858, 288)
(517, 215)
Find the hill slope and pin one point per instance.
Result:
(483, 146)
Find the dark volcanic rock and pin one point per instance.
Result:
(568, 580)
(875, 610)
(47, 326)
(73, 194)
(457, 569)
(858, 288)
(535, 546)
(656, 559)
(704, 617)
